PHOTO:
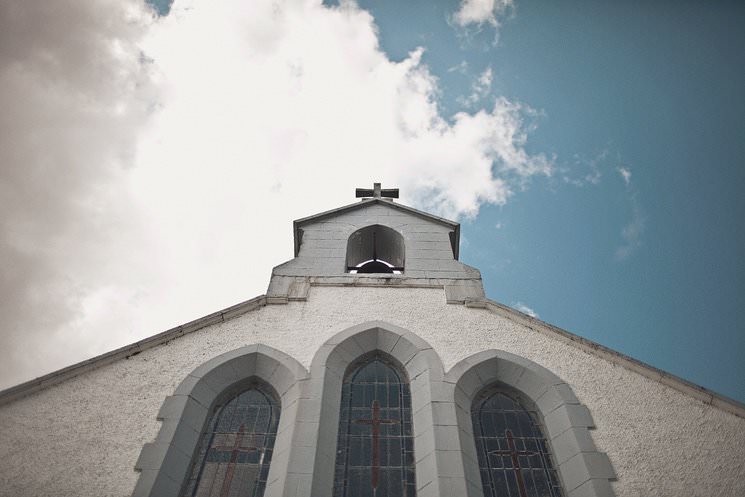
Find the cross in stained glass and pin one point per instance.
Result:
(515, 456)
(375, 423)
(233, 450)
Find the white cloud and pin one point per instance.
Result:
(483, 82)
(480, 89)
(151, 168)
(461, 68)
(525, 309)
(585, 171)
(625, 174)
(481, 12)
(631, 234)
(74, 95)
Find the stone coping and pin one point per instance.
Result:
(55, 377)
(696, 391)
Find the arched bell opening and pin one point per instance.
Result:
(375, 249)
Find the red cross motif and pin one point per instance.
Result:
(515, 456)
(234, 450)
(375, 423)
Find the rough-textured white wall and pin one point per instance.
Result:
(82, 437)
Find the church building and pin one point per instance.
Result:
(374, 366)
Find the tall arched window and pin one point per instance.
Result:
(514, 457)
(375, 453)
(236, 448)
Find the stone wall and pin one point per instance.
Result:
(82, 437)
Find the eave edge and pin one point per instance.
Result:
(55, 377)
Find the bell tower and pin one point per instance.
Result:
(376, 242)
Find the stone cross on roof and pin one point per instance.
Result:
(376, 192)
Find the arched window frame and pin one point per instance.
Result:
(164, 465)
(321, 405)
(584, 470)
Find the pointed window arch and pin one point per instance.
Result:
(235, 449)
(375, 453)
(514, 456)
(375, 249)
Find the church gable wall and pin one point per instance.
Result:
(83, 437)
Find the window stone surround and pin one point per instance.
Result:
(164, 464)
(424, 369)
(584, 471)
(305, 448)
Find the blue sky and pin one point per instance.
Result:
(655, 88)
(593, 152)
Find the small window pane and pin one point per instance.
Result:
(513, 454)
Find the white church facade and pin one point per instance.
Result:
(374, 366)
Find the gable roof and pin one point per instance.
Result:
(299, 223)
(686, 387)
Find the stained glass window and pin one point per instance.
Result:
(375, 453)
(514, 457)
(236, 448)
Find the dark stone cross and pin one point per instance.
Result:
(234, 450)
(376, 192)
(375, 423)
(515, 456)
